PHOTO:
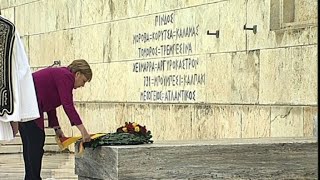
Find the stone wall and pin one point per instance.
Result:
(154, 63)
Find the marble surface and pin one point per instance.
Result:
(269, 158)
(55, 166)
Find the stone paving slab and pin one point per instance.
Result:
(59, 166)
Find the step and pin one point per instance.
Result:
(17, 141)
(263, 158)
(47, 131)
(15, 145)
(10, 149)
(51, 148)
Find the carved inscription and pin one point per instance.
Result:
(184, 48)
(173, 79)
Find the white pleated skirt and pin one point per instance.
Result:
(6, 133)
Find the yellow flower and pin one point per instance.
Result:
(134, 124)
(124, 129)
(136, 129)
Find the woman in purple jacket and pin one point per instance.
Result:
(53, 87)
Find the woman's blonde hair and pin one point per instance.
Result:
(82, 66)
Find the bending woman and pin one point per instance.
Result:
(54, 87)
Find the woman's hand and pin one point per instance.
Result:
(85, 136)
(15, 128)
(59, 132)
(84, 133)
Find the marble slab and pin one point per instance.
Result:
(266, 158)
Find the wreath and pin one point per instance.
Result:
(129, 134)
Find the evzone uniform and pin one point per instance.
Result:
(18, 101)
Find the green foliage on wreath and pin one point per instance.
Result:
(120, 139)
(129, 134)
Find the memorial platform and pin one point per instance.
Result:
(263, 158)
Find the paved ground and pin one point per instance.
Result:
(54, 166)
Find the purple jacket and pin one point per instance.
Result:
(54, 87)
